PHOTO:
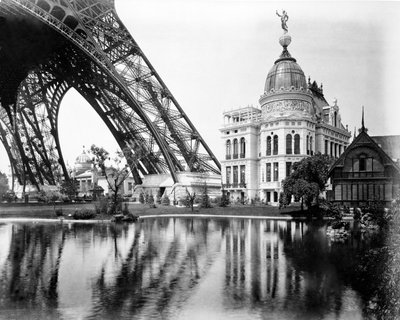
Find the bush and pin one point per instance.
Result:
(59, 212)
(158, 198)
(141, 198)
(222, 201)
(150, 199)
(84, 214)
(101, 206)
(165, 201)
(205, 201)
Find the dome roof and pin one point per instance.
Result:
(83, 158)
(285, 73)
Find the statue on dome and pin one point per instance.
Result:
(284, 18)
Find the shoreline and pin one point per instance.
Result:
(46, 213)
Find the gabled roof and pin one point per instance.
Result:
(363, 139)
(389, 144)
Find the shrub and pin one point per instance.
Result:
(222, 201)
(59, 212)
(205, 201)
(150, 199)
(141, 198)
(158, 198)
(84, 214)
(165, 201)
(102, 205)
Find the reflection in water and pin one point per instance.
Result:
(179, 268)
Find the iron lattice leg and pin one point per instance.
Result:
(91, 50)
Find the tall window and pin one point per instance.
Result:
(235, 174)
(242, 174)
(308, 144)
(242, 148)
(228, 175)
(288, 168)
(268, 146)
(311, 146)
(276, 171)
(275, 144)
(235, 149)
(228, 149)
(362, 163)
(326, 146)
(268, 172)
(296, 144)
(289, 144)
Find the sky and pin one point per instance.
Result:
(214, 55)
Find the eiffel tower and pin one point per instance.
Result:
(50, 46)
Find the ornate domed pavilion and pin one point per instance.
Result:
(294, 121)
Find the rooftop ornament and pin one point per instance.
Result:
(284, 19)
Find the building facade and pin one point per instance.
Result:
(365, 173)
(293, 121)
(88, 177)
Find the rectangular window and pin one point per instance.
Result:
(369, 164)
(326, 146)
(276, 171)
(268, 196)
(268, 172)
(130, 186)
(228, 175)
(354, 192)
(349, 192)
(338, 192)
(235, 174)
(362, 164)
(242, 174)
(288, 168)
(275, 196)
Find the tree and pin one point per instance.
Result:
(190, 197)
(114, 171)
(205, 199)
(3, 184)
(69, 187)
(307, 180)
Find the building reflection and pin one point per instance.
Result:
(153, 268)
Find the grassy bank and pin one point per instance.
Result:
(48, 211)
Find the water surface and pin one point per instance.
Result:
(170, 268)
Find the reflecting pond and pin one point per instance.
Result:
(175, 268)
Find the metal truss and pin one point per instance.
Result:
(91, 50)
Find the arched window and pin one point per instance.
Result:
(296, 144)
(235, 149)
(275, 144)
(268, 146)
(242, 148)
(289, 144)
(308, 144)
(228, 149)
(311, 145)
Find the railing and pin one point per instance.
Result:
(235, 156)
(242, 155)
(228, 157)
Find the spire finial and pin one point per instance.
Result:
(362, 120)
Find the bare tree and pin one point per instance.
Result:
(114, 171)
